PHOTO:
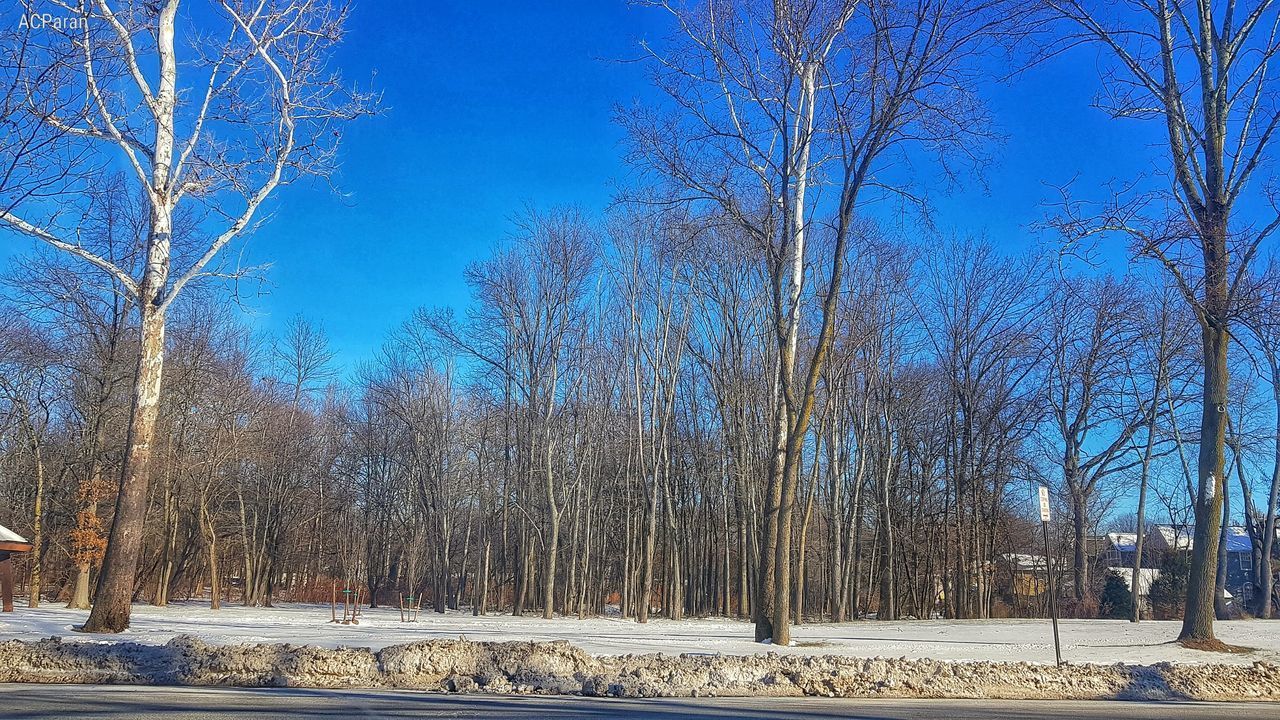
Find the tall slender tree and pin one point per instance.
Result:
(1202, 70)
(205, 143)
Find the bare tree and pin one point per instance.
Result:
(979, 312)
(1203, 70)
(205, 148)
(770, 96)
(1091, 332)
(1217, 128)
(1264, 322)
(528, 325)
(648, 275)
(1164, 362)
(27, 382)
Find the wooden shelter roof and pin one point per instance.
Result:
(11, 541)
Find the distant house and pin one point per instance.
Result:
(1024, 577)
(1119, 550)
(1146, 576)
(1239, 562)
(1167, 538)
(1163, 539)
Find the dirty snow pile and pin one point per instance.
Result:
(560, 668)
(296, 645)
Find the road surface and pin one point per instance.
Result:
(47, 702)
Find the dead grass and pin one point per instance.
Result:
(1215, 645)
(810, 643)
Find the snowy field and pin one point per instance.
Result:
(1095, 641)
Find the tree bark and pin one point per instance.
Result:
(215, 578)
(114, 595)
(6, 583)
(553, 530)
(1197, 621)
(650, 544)
(1220, 611)
(1080, 564)
(1135, 589)
(1269, 526)
(37, 535)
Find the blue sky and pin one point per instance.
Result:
(492, 106)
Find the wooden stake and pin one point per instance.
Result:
(6, 584)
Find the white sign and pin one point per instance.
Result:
(1044, 504)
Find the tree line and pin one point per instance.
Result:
(592, 432)
(747, 389)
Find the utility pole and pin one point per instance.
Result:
(1048, 566)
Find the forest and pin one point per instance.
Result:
(762, 383)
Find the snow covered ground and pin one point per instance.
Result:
(1094, 641)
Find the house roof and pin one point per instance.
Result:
(1026, 562)
(1238, 540)
(1175, 537)
(1123, 542)
(1146, 576)
(1237, 537)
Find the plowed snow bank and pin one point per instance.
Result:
(560, 668)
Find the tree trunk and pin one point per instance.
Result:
(782, 561)
(521, 588)
(674, 580)
(888, 609)
(625, 596)
(215, 579)
(650, 543)
(80, 588)
(112, 601)
(1135, 589)
(168, 548)
(801, 554)
(114, 596)
(6, 583)
(86, 521)
(553, 541)
(1080, 564)
(1269, 526)
(1197, 622)
(37, 536)
(1220, 611)
(484, 579)
(763, 606)
(835, 538)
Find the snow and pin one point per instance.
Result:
(1021, 561)
(1176, 538)
(1093, 641)
(1123, 542)
(1238, 540)
(7, 535)
(1146, 576)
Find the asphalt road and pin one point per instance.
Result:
(46, 702)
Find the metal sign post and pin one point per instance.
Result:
(1048, 566)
